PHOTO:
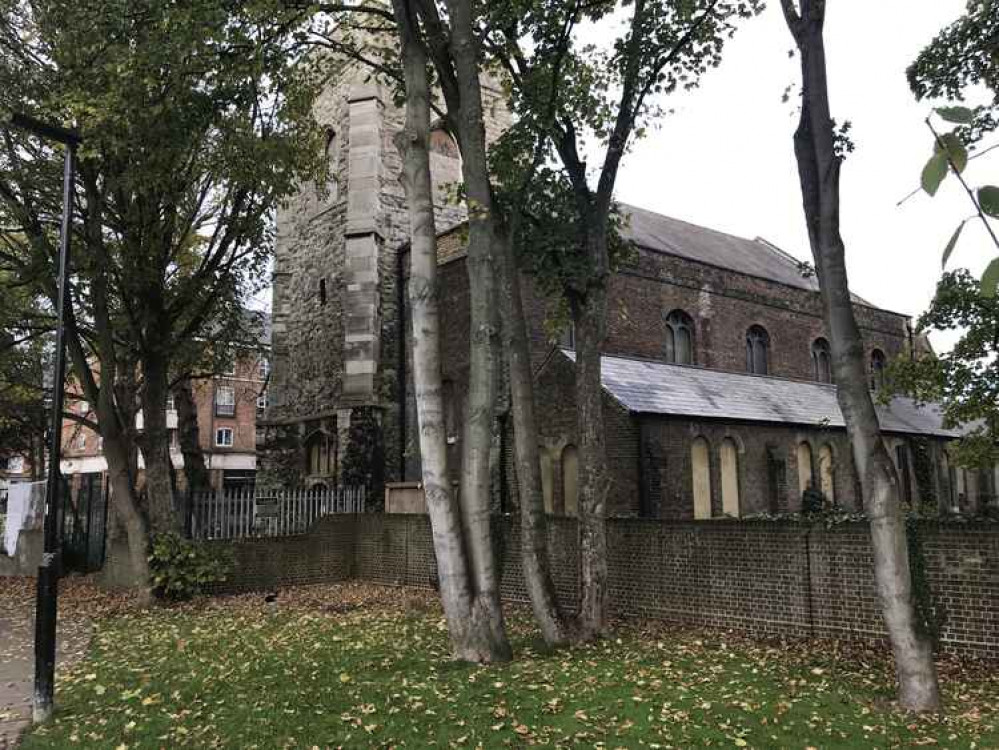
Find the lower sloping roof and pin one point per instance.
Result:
(648, 387)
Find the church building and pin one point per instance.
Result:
(716, 371)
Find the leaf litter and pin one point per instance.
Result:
(359, 665)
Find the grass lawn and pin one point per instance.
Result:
(361, 666)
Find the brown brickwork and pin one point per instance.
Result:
(768, 578)
(649, 456)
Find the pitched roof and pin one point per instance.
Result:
(754, 257)
(648, 387)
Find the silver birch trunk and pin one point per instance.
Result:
(471, 621)
(484, 342)
(818, 169)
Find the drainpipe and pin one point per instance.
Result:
(401, 369)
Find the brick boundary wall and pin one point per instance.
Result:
(763, 577)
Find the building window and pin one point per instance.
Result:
(902, 461)
(757, 350)
(442, 143)
(322, 292)
(730, 478)
(223, 437)
(262, 402)
(821, 361)
(263, 368)
(570, 480)
(679, 338)
(700, 467)
(805, 475)
(567, 336)
(826, 465)
(318, 449)
(225, 401)
(877, 370)
(170, 404)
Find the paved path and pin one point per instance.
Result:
(17, 664)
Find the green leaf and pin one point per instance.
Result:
(990, 279)
(958, 115)
(934, 173)
(988, 200)
(950, 245)
(955, 150)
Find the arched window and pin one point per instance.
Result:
(679, 338)
(826, 466)
(877, 370)
(730, 478)
(318, 449)
(442, 143)
(757, 350)
(445, 165)
(570, 480)
(567, 336)
(821, 361)
(805, 476)
(547, 480)
(700, 467)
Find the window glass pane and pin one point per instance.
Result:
(730, 478)
(683, 349)
(701, 478)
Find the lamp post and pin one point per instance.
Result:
(48, 571)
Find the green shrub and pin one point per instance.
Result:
(181, 568)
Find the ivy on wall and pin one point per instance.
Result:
(364, 455)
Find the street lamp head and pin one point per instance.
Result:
(42, 129)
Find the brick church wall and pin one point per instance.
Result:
(723, 305)
(766, 578)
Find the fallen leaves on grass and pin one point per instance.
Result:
(356, 665)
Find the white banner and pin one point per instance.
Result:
(25, 510)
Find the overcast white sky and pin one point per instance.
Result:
(725, 158)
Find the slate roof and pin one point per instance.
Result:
(755, 257)
(648, 387)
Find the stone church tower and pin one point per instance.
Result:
(337, 337)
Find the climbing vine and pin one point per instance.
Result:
(364, 455)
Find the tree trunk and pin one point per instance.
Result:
(124, 502)
(818, 169)
(484, 344)
(471, 618)
(154, 442)
(533, 521)
(589, 315)
(189, 435)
